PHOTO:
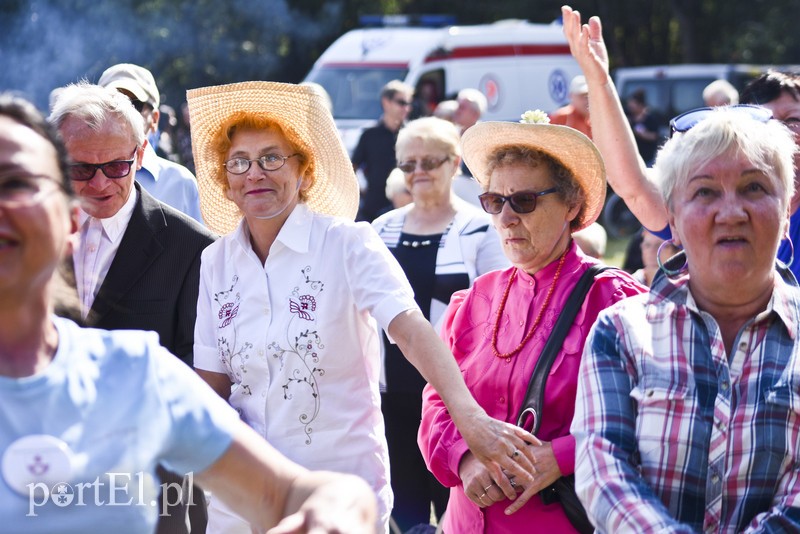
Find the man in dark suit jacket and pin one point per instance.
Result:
(153, 280)
(137, 265)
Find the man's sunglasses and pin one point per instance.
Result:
(522, 202)
(688, 120)
(83, 172)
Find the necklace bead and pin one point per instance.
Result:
(545, 304)
(415, 243)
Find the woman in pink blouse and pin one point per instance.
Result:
(542, 183)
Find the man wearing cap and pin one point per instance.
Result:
(168, 181)
(137, 264)
(576, 113)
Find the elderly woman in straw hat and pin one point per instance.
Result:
(290, 296)
(542, 183)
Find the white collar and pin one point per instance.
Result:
(115, 225)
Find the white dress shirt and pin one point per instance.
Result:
(297, 338)
(99, 241)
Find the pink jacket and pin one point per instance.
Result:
(499, 386)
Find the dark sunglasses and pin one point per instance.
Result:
(688, 120)
(401, 102)
(83, 172)
(522, 202)
(427, 164)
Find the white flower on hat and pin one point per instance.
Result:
(535, 116)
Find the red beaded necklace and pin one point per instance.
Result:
(509, 355)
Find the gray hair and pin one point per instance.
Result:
(722, 88)
(395, 183)
(769, 146)
(474, 97)
(95, 105)
(432, 131)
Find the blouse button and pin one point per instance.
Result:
(502, 400)
(650, 392)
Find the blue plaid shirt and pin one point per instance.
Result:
(673, 433)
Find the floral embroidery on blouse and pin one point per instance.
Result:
(233, 355)
(301, 354)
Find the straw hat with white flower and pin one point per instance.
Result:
(302, 112)
(568, 146)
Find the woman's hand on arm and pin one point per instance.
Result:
(263, 486)
(495, 443)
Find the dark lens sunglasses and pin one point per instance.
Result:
(688, 120)
(426, 164)
(83, 172)
(522, 202)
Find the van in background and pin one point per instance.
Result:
(672, 89)
(516, 64)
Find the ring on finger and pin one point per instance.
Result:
(481, 497)
(515, 454)
(513, 483)
(487, 488)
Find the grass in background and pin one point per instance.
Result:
(615, 251)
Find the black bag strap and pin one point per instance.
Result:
(534, 397)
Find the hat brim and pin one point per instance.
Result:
(335, 187)
(570, 147)
(133, 88)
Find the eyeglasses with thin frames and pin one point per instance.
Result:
(268, 162)
(521, 202)
(83, 172)
(426, 164)
(20, 191)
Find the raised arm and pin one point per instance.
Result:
(263, 486)
(627, 173)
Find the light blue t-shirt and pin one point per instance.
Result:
(122, 403)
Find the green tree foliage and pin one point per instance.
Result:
(191, 43)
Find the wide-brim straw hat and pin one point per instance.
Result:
(295, 107)
(570, 147)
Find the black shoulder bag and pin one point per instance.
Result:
(563, 489)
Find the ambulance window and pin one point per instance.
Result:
(355, 91)
(428, 92)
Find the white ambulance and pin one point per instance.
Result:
(517, 65)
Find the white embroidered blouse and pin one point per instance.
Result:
(298, 340)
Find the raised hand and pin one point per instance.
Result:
(586, 45)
